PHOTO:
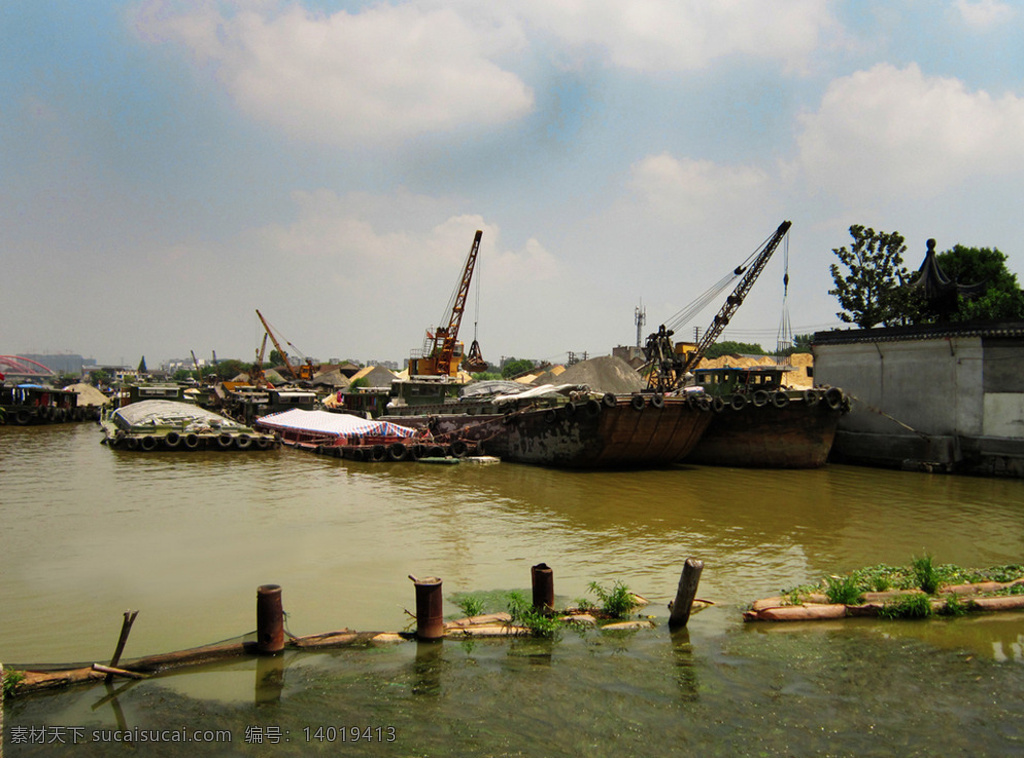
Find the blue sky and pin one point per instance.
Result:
(166, 168)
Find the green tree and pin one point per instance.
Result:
(183, 374)
(98, 377)
(516, 367)
(1002, 299)
(871, 292)
(727, 347)
(229, 368)
(802, 343)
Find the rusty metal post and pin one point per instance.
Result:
(269, 620)
(543, 588)
(429, 608)
(685, 593)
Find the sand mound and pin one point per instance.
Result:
(604, 374)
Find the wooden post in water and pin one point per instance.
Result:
(685, 594)
(543, 588)
(269, 620)
(126, 628)
(429, 608)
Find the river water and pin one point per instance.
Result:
(87, 533)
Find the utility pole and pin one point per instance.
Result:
(640, 317)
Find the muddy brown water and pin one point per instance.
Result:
(86, 533)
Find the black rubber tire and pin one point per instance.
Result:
(609, 400)
(638, 402)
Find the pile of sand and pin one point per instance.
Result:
(604, 374)
(88, 395)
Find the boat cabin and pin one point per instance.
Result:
(727, 381)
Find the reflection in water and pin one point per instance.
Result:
(269, 678)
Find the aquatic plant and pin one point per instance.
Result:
(911, 606)
(470, 605)
(616, 602)
(956, 606)
(11, 680)
(524, 614)
(926, 574)
(844, 590)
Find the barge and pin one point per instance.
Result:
(152, 425)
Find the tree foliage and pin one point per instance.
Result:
(1002, 299)
(728, 347)
(516, 367)
(870, 292)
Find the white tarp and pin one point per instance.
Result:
(340, 424)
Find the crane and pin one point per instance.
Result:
(442, 352)
(199, 373)
(669, 367)
(303, 372)
(256, 375)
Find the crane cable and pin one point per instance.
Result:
(784, 339)
(689, 312)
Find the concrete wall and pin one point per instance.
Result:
(953, 401)
(934, 386)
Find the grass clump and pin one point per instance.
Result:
(524, 614)
(470, 605)
(11, 681)
(907, 607)
(617, 602)
(956, 606)
(843, 590)
(926, 574)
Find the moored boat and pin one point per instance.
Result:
(171, 425)
(580, 431)
(759, 423)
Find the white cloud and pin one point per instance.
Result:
(344, 235)
(686, 191)
(683, 35)
(380, 75)
(888, 131)
(984, 14)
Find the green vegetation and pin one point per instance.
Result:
(470, 605)
(360, 382)
(956, 606)
(11, 681)
(843, 589)
(524, 614)
(727, 347)
(872, 289)
(926, 574)
(914, 606)
(875, 272)
(616, 602)
(516, 367)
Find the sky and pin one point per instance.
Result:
(167, 168)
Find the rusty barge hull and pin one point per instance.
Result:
(615, 432)
(798, 435)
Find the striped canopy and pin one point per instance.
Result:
(337, 424)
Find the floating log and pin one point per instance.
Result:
(627, 626)
(685, 593)
(112, 671)
(126, 628)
